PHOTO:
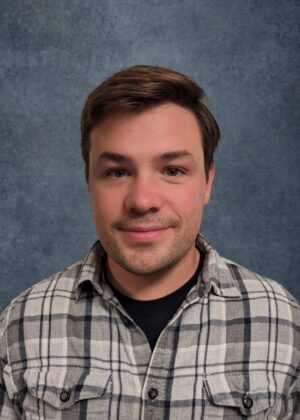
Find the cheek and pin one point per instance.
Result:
(103, 203)
(190, 202)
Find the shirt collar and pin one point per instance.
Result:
(215, 277)
(216, 274)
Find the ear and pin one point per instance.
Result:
(209, 183)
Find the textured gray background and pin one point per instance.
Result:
(245, 54)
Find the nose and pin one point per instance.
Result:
(143, 196)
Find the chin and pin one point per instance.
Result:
(146, 266)
(144, 271)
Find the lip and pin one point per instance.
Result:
(144, 234)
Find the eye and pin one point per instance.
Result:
(117, 173)
(174, 171)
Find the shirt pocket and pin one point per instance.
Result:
(233, 395)
(57, 394)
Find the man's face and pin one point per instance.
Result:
(147, 187)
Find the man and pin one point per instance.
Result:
(153, 324)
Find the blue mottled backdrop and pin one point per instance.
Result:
(245, 54)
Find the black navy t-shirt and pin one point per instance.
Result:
(153, 315)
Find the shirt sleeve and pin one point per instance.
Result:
(7, 410)
(293, 401)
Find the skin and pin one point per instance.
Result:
(147, 186)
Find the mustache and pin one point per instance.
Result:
(145, 222)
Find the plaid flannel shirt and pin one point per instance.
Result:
(70, 351)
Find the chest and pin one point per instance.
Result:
(208, 362)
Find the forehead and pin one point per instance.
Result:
(157, 130)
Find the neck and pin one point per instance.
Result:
(153, 286)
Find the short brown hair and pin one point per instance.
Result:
(139, 88)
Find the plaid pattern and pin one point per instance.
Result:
(69, 350)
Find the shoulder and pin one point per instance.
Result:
(59, 286)
(263, 294)
(232, 280)
(250, 282)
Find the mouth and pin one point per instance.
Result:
(142, 234)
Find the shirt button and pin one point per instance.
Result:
(65, 396)
(247, 401)
(152, 393)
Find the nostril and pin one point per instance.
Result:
(138, 212)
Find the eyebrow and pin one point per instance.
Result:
(173, 155)
(115, 157)
(176, 154)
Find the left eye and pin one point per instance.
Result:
(173, 171)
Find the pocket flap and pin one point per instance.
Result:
(230, 390)
(62, 389)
